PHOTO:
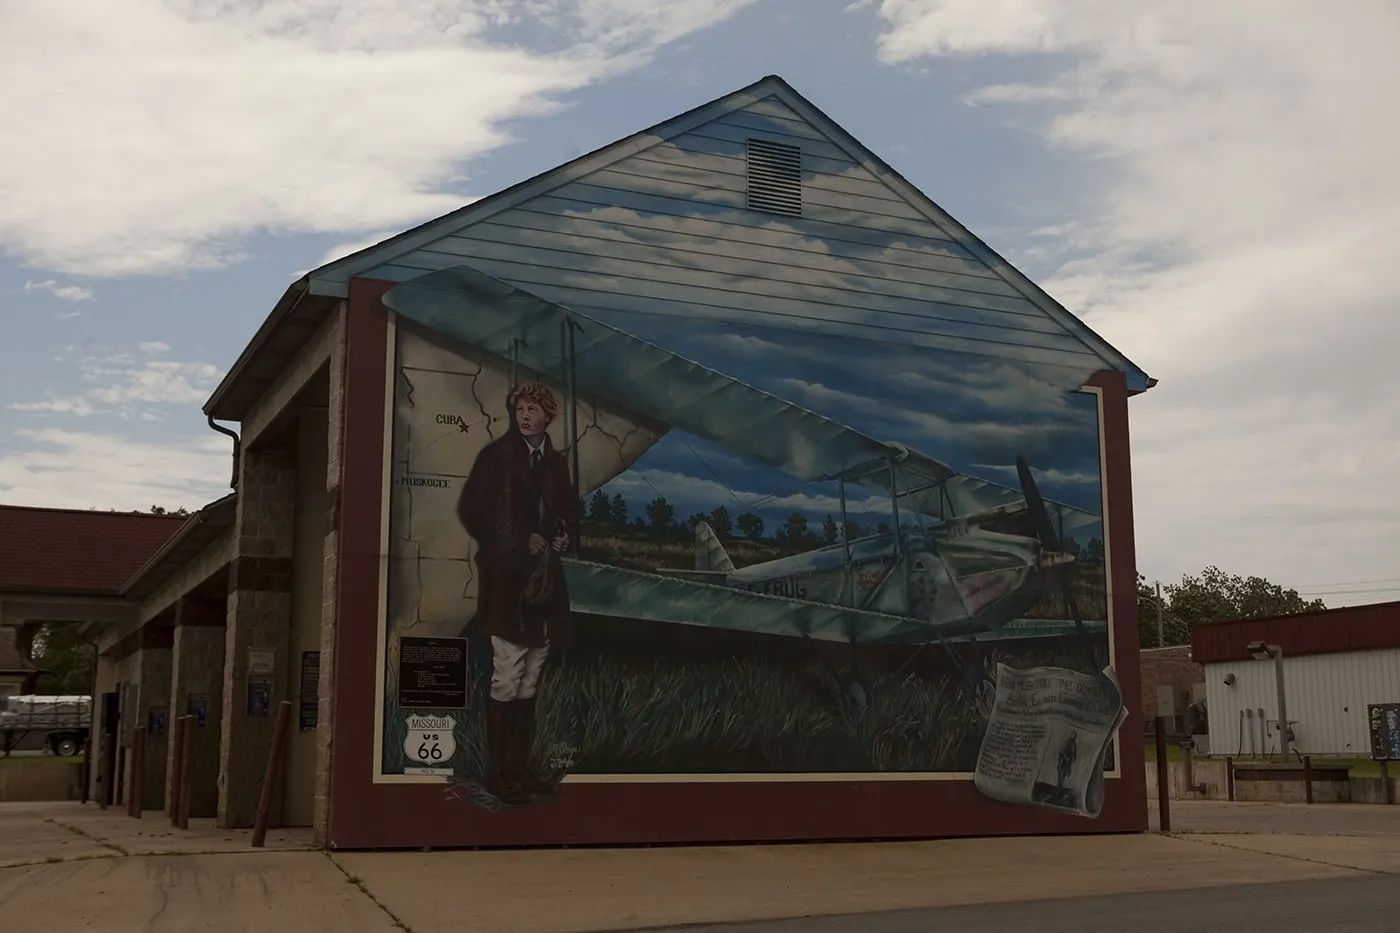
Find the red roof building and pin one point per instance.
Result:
(1348, 628)
(77, 552)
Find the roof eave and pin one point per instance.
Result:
(186, 531)
(216, 407)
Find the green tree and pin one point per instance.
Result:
(1210, 597)
(1216, 596)
(660, 515)
(720, 521)
(617, 510)
(750, 526)
(794, 527)
(66, 658)
(600, 508)
(830, 530)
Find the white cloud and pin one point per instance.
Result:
(64, 292)
(121, 384)
(644, 485)
(173, 129)
(1242, 250)
(80, 469)
(342, 250)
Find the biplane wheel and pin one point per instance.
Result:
(856, 695)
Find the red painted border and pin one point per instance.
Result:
(369, 815)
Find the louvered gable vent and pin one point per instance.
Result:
(775, 177)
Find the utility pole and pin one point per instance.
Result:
(1161, 639)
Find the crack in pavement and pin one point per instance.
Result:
(364, 889)
(86, 835)
(1297, 858)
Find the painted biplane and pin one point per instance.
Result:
(962, 556)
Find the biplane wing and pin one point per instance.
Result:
(653, 382)
(600, 589)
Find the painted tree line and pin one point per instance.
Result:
(659, 519)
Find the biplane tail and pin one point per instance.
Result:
(710, 554)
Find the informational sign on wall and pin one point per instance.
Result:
(259, 697)
(197, 706)
(432, 673)
(155, 720)
(261, 662)
(310, 690)
(1384, 722)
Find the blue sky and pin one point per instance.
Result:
(1207, 185)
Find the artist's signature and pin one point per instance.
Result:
(561, 757)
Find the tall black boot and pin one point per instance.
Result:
(499, 734)
(522, 744)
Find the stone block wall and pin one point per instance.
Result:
(330, 581)
(155, 665)
(258, 624)
(197, 680)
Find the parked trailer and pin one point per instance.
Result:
(62, 721)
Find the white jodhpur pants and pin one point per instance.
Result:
(515, 669)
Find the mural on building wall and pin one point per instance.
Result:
(719, 549)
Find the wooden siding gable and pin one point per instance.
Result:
(659, 224)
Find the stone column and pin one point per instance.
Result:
(330, 585)
(259, 622)
(154, 696)
(197, 688)
(104, 681)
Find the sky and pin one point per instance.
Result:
(1210, 186)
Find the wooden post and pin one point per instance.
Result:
(184, 815)
(176, 784)
(274, 761)
(1164, 780)
(1229, 777)
(1190, 770)
(86, 770)
(1307, 778)
(1387, 794)
(119, 773)
(133, 793)
(105, 798)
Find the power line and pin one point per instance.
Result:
(1313, 586)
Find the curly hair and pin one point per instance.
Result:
(537, 393)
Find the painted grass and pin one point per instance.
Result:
(602, 714)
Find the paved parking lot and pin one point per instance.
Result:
(117, 873)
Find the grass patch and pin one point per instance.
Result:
(41, 759)
(1360, 767)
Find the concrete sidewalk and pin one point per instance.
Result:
(74, 867)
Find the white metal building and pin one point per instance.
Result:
(1335, 663)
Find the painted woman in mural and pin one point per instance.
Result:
(518, 503)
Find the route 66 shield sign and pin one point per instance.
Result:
(430, 744)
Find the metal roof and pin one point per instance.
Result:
(1348, 628)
